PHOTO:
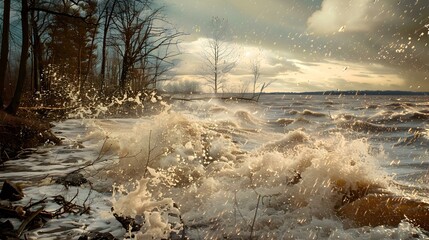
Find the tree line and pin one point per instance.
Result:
(112, 46)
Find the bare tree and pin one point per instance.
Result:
(218, 55)
(255, 66)
(107, 11)
(143, 38)
(44, 15)
(14, 104)
(39, 21)
(4, 48)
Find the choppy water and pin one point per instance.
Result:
(277, 169)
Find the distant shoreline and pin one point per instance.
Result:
(248, 96)
(361, 93)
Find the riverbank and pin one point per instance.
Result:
(23, 131)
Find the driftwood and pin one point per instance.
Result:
(215, 97)
(34, 219)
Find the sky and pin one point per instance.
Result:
(311, 45)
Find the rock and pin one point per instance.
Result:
(6, 226)
(72, 179)
(7, 231)
(378, 209)
(128, 222)
(8, 212)
(178, 236)
(97, 236)
(11, 191)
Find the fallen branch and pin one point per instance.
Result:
(34, 204)
(68, 206)
(254, 217)
(238, 209)
(24, 224)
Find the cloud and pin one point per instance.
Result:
(309, 42)
(347, 15)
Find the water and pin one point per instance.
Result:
(287, 167)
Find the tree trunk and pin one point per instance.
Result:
(103, 61)
(216, 67)
(14, 104)
(109, 14)
(37, 55)
(80, 79)
(124, 74)
(4, 49)
(89, 66)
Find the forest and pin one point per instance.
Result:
(111, 47)
(59, 55)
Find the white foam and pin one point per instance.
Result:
(229, 174)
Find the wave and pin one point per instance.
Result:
(402, 117)
(345, 116)
(190, 164)
(290, 184)
(329, 103)
(363, 126)
(368, 106)
(372, 106)
(293, 112)
(302, 121)
(218, 109)
(417, 138)
(291, 140)
(284, 121)
(245, 117)
(307, 113)
(313, 114)
(400, 106)
(297, 184)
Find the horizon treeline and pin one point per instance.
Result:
(110, 46)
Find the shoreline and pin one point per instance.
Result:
(23, 132)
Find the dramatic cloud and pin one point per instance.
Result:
(348, 15)
(305, 45)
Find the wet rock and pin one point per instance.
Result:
(97, 236)
(295, 179)
(178, 236)
(11, 191)
(128, 222)
(7, 231)
(382, 209)
(6, 226)
(8, 212)
(72, 179)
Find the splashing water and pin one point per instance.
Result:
(213, 170)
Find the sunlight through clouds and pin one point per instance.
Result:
(303, 42)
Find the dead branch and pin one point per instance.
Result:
(236, 208)
(28, 220)
(34, 204)
(254, 217)
(68, 206)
